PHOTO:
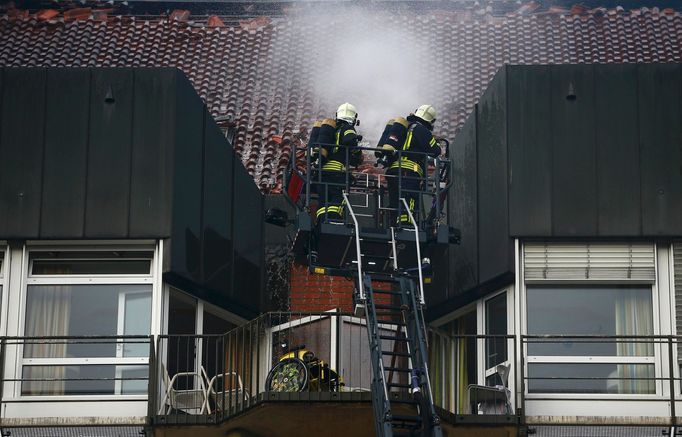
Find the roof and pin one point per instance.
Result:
(270, 75)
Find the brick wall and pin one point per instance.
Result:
(311, 293)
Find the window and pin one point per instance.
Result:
(75, 295)
(196, 337)
(677, 280)
(454, 360)
(2, 273)
(495, 347)
(467, 351)
(590, 299)
(613, 363)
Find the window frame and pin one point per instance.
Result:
(151, 279)
(655, 359)
(4, 288)
(483, 320)
(482, 373)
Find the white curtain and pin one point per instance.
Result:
(634, 316)
(47, 314)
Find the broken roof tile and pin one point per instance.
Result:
(77, 14)
(179, 15)
(215, 21)
(46, 14)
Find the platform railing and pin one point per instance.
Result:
(306, 165)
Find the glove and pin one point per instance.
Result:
(388, 148)
(317, 151)
(356, 157)
(385, 150)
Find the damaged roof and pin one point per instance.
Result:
(253, 74)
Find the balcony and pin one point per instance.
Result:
(287, 373)
(219, 383)
(602, 380)
(75, 381)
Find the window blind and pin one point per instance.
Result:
(597, 261)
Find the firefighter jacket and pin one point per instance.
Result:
(343, 148)
(418, 143)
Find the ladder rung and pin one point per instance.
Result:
(395, 384)
(390, 322)
(397, 369)
(392, 337)
(386, 313)
(404, 418)
(407, 425)
(404, 401)
(394, 293)
(390, 307)
(397, 354)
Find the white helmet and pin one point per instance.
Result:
(426, 113)
(347, 113)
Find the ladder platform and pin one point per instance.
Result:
(336, 248)
(336, 244)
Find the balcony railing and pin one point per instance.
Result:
(278, 356)
(324, 356)
(608, 365)
(473, 374)
(73, 369)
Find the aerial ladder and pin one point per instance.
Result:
(389, 267)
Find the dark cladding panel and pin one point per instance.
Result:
(217, 222)
(530, 154)
(660, 115)
(248, 239)
(21, 151)
(152, 142)
(463, 209)
(617, 148)
(494, 254)
(574, 184)
(187, 182)
(66, 141)
(108, 189)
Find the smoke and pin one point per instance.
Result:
(378, 61)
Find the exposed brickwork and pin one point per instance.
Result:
(311, 292)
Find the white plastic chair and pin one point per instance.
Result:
(491, 400)
(190, 401)
(231, 397)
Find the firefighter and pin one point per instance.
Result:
(338, 151)
(406, 170)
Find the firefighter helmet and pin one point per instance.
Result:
(426, 113)
(347, 113)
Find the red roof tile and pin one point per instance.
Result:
(237, 67)
(77, 14)
(46, 14)
(214, 21)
